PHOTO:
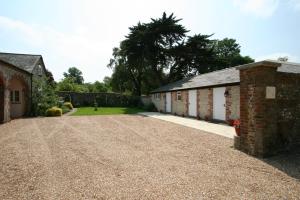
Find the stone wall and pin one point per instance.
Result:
(159, 103)
(180, 107)
(233, 102)
(102, 99)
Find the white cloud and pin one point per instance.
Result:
(275, 56)
(93, 28)
(61, 50)
(260, 8)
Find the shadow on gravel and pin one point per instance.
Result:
(288, 162)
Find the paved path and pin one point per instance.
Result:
(220, 129)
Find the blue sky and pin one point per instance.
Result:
(82, 33)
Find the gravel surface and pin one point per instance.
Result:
(133, 157)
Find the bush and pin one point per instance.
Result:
(69, 105)
(53, 112)
(65, 109)
(43, 96)
(150, 107)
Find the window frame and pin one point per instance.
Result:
(178, 96)
(13, 95)
(157, 96)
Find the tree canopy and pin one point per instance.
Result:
(160, 52)
(75, 74)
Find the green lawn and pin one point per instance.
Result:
(106, 111)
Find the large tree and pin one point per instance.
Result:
(227, 54)
(74, 74)
(160, 52)
(145, 53)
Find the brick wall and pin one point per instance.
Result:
(288, 109)
(258, 114)
(269, 125)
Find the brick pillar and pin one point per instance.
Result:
(258, 111)
(186, 103)
(210, 104)
(198, 102)
(228, 102)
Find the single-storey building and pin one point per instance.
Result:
(17, 72)
(210, 96)
(213, 95)
(264, 96)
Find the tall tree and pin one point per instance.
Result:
(145, 51)
(227, 54)
(160, 52)
(75, 74)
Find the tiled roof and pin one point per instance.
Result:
(24, 62)
(222, 77)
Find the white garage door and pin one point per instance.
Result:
(219, 108)
(168, 102)
(193, 103)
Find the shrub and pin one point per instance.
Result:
(69, 105)
(150, 107)
(43, 96)
(95, 106)
(53, 112)
(65, 109)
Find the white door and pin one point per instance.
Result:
(193, 103)
(219, 108)
(168, 102)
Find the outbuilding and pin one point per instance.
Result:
(214, 95)
(17, 72)
(264, 96)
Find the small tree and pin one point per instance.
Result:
(43, 96)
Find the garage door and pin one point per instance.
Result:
(193, 103)
(219, 108)
(168, 102)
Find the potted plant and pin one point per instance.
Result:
(236, 124)
(230, 122)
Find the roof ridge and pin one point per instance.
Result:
(218, 70)
(23, 54)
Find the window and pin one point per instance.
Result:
(15, 96)
(178, 96)
(39, 70)
(157, 96)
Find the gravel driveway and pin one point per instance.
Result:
(133, 157)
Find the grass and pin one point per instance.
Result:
(106, 111)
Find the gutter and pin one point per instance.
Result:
(201, 87)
